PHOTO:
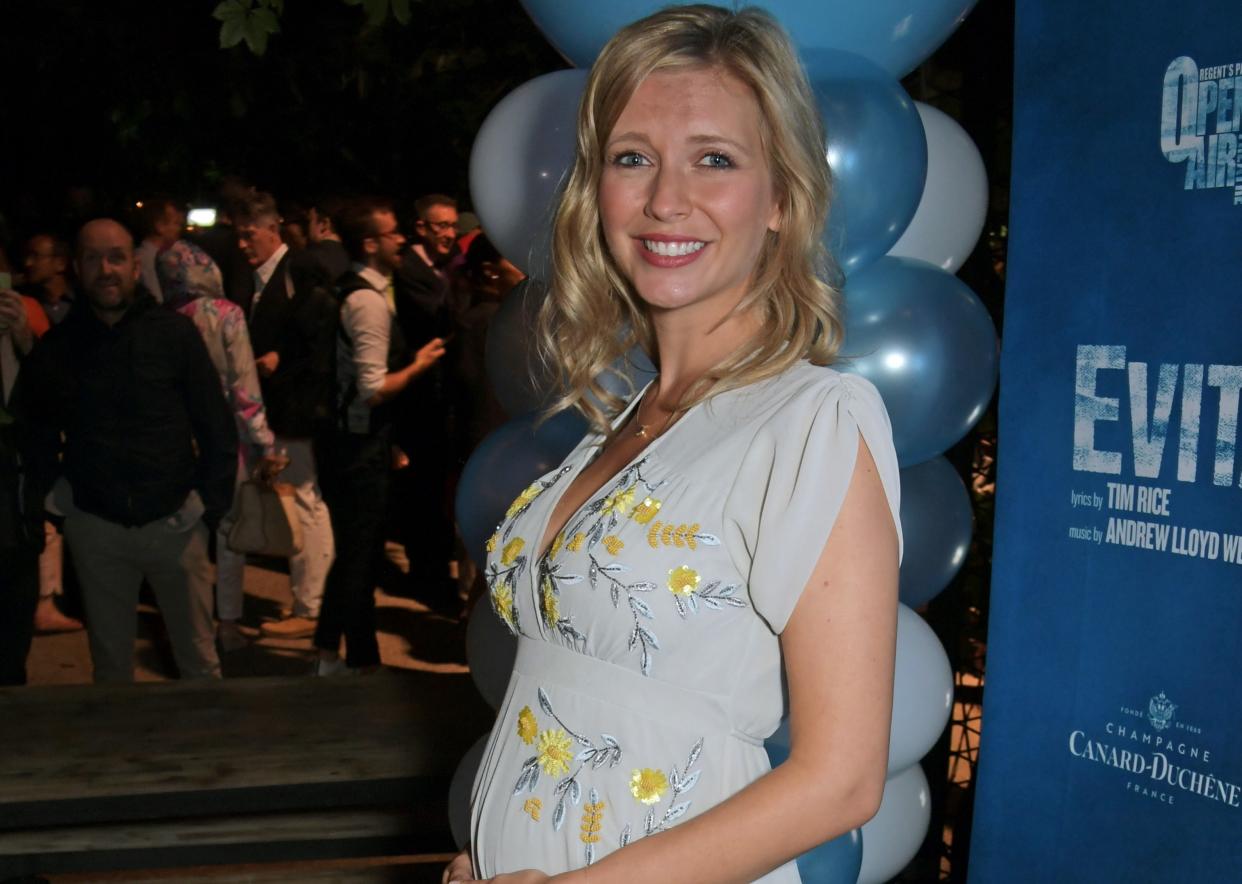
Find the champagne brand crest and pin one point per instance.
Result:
(1160, 711)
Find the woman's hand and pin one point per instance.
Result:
(458, 869)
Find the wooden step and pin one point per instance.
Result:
(242, 770)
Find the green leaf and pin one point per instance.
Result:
(377, 11)
(232, 32)
(401, 11)
(231, 10)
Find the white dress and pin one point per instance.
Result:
(648, 670)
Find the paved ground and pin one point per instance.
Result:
(410, 636)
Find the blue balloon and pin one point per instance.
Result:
(520, 382)
(518, 162)
(895, 34)
(928, 344)
(937, 521)
(517, 379)
(833, 862)
(503, 464)
(877, 150)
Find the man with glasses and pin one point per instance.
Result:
(373, 366)
(47, 275)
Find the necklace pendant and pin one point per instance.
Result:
(641, 432)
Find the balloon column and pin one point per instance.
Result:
(910, 195)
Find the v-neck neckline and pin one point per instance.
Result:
(585, 460)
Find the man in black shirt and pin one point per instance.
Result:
(149, 455)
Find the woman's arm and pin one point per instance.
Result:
(839, 648)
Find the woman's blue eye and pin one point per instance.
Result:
(716, 161)
(629, 159)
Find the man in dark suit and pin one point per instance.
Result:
(292, 329)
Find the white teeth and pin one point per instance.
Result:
(672, 249)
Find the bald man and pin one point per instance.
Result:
(148, 457)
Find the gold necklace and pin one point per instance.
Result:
(644, 430)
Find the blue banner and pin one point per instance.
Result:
(1112, 721)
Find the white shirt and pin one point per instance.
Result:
(366, 317)
(263, 273)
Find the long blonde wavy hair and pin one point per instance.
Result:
(591, 316)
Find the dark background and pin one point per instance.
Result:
(113, 101)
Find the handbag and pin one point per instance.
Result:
(264, 520)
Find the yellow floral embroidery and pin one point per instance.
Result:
(619, 501)
(592, 821)
(613, 544)
(492, 541)
(648, 785)
(502, 597)
(646, 511)
(532, 491)
(575, 544)
(555, 752)
(556, 545)
(532, 807)
(683, 580)
(511, 551)
(672, 534)
(527, 726)
(551, 605)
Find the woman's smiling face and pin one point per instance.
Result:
(686, 195)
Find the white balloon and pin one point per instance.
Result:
(459, 791)
(954, 205)
(490, 651)
(892, 837)
(922, 691)
(519, 161)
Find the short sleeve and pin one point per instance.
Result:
(792, 483)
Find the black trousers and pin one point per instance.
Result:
(354, 477)
(19, 594)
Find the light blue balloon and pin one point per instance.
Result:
(519, 162)
(895, 34)
(503, 464)
(521, 383)
(833, 862)
(937, 521)
(928, 344)
(877, 151)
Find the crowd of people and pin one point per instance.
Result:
(150, 367)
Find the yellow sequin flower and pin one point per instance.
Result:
(492, 541)
(575, 543)
(511, 551)
(683, 580)
(619, 501)
(646, 511)
(551, 605)
(592, 822)
(531, 492)
(613, 544)
(533, 807)
(527, 727)
(502, 597)
(555, 752)
(556, 545)
(648, 785)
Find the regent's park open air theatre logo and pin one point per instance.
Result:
(1161, 757)
(1201, 109)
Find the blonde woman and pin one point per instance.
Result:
(738, 514)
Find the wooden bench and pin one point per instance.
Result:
(246, 770)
